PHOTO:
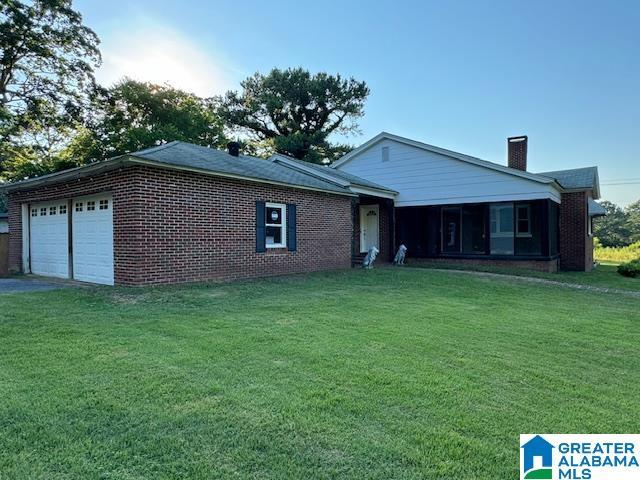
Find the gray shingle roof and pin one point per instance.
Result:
(326, 170)
(595, 209)
(202, 158)
(586, 177)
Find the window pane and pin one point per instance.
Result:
(523, 226)
(274, 215)
(506, 219)
(502, 236)
(523, 213)
(274, 235)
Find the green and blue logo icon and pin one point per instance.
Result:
(536, 459)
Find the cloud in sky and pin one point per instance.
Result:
(162, 55)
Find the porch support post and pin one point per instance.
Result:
(487, 229)
(392, 226)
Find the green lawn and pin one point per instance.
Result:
(604, 275)
(392, 373)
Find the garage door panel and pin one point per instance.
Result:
(49, 236)
(93, 239)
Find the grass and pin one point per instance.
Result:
(392, 373)
(604, 275)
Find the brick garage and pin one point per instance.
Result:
(174, 226)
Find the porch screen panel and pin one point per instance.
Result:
(502, 228)
(473, 229)
(451, 230)
(553, 228)
(529, 228)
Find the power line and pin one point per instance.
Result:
(620, 183)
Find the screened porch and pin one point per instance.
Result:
(518, 230)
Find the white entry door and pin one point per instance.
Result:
(369, 227)
(92, 235)
(49, 239)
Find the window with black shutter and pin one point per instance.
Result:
(260, 227)
(291, 227)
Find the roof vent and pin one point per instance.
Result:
(233, 148)
(517, 152)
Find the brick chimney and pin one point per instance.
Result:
(233, 148)
(517, 152)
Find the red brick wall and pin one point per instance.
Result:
(576, 246)
(539, 265)
(172, 226)
(123, 184)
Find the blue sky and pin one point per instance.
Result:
(462, 75)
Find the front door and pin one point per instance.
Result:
(369, 227)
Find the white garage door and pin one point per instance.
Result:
(50, 239)
(92, 236)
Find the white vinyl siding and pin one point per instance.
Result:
(422, 177)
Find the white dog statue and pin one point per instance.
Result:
(399, 258)
(370, 258)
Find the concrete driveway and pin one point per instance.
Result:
(16, 285)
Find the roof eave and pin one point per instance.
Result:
(145, 161)
(65, 175)
(128, 159)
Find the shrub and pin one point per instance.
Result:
(629, 269)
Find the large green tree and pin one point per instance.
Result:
(633, 221)
(47, 57)
(295, 113)
(133, 115)
(613, 230)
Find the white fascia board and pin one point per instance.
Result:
(479, 199)
(372, 192)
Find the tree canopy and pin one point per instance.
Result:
(133, 115)
(294, 112)
(619, 227)
(47, 57)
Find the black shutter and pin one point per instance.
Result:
(260, 228)
(291, 228)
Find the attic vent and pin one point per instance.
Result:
(385, 154)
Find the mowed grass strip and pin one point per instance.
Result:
(391, 373)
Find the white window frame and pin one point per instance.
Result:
(282, 224)
(498, 208)
(526, 233)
